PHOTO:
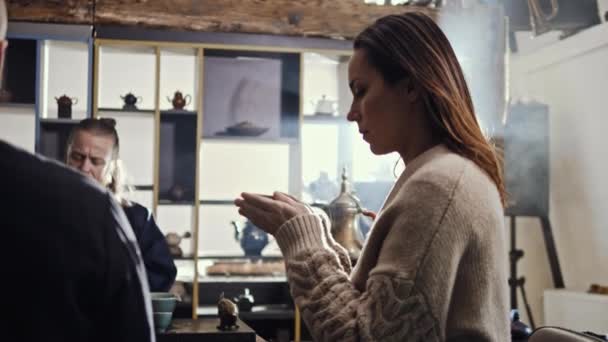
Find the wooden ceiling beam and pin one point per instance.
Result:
(341, 19)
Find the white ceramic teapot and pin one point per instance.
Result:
(325, 106)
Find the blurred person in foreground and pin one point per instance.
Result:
(72, 269)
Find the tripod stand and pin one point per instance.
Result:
(516, 254)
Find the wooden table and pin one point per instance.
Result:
(205, 329)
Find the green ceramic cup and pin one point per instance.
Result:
(163, 302)
(162, 320)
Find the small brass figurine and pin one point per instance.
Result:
(228, 313)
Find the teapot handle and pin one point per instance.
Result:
(74, 100)
(366, 212)
(122, 97)
(188, 98)
(237, 230)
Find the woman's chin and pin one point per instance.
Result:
(378, 150)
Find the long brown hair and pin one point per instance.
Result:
(106, 127)
(412, 45)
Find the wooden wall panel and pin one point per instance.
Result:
(320, 18)
(54, 11)
(313, 18)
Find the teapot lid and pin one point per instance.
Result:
(64, 99)
(346, 199)
(324, 99)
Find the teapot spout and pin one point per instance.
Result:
(237, 230)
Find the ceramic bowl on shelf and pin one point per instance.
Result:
(244, 129)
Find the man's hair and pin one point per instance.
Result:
(3, 20)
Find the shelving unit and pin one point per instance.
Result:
(43, 62)
(228, 84)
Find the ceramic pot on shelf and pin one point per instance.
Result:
(179, 101)
(64, 106)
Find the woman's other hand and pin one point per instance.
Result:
(270, 212)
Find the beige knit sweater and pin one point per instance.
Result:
(433, 267)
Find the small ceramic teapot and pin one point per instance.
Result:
(325, 106)
(252, 239)
(173, 241)
(64, 106)
(130, 101)
(244, 301)
(179, 101)
(177, 192)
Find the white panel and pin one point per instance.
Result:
(143, 197)
(177, 219)
(17, 126)
(229, 168)
(319, 151)
(126, 70)
(185, 270)
(178, 70)
(325, 75)
(345, 96)
(136, 133)
(577, 311)
(216, 234)
(66, 67)
(242, 89)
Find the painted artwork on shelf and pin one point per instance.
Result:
(242, 97)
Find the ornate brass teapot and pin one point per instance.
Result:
(343, 212)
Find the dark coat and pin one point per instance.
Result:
(154, 249)
(71, 270)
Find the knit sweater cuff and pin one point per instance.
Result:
(300, 233)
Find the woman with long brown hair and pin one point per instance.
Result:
(433, 267)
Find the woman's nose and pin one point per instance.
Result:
(352, 115)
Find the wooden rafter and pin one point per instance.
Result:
(312, 18)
